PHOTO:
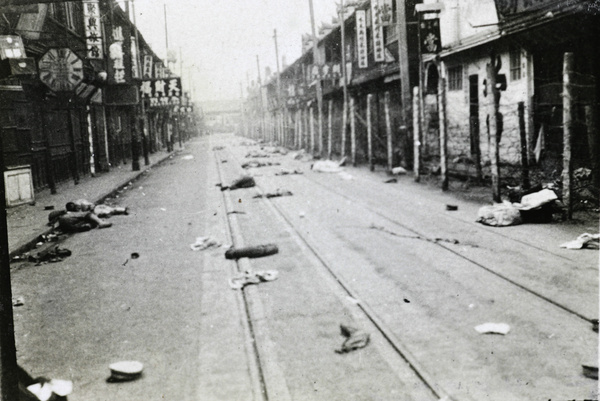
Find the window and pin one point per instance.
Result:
(515, 64)
(455, 78)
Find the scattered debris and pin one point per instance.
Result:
(302, 215)
(590, 370)
(47, 389)
(256, 154)
(236, 212)
(391, 181)
(493, 328)
(188, 157)
(135, 255)
(18, 301)
(203, 243)
(50, 255)
(275, 150)
(345, 176)
(451, 207)
(327, 166)
(355, 339)
(245, 181)
(252, 251)
(257, 164)
(279, 192)
(125, 371)
(499, 215)
(302, 155)
(353, 300)
(399, 171)
(433, 240)
(595, 325)
(49, 207)
(591, 241)
(285, 171)
(218, 147)
(239, 282)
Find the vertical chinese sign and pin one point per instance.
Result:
(93, 32)
(148, 63)
(119, 55)
(430, 36)
(361, 38)
(377, 27)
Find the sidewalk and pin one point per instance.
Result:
(27, 222)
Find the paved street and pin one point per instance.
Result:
(388, 259)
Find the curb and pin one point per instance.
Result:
(29, 245)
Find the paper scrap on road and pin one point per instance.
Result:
(203, 243)
(399, 171)
(327, 166)
(583, 241)
(18, 301)
(188, 157)
(493, 328)
(44, 391)
(242, 280)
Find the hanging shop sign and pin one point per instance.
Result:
(119, 55)
(135, 68)
(61, 69)
(93, 33)
(148, 63)
(385, 10)
(430, 36)
(162, 92)
(11, 46)
(361, 38)
(377, 33)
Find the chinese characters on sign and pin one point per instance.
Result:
(385, 9)
(148, 62)
(117, 57)
(93, 34)
(162, 92)
(135, 69)
(430, 36)
(361, 38)
(11, 47)
(378, 45)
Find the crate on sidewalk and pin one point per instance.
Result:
(18, 185)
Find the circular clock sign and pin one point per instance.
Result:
(61, 69)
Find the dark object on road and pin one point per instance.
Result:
(451, 207)
(50, 255)
(135, 255)
(276, 194)
(595, 325)
(590, 370)
(390, 181)
(125, 371)
(243, 182)
(218, 147)
(355, 339)
(50, 207)
(258, 251)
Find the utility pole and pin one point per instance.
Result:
(262, 112)
(405, 89)
(492, 72)
(9, 389)
(319, 89)
(344, 79)
(142, 119)
(279, 108)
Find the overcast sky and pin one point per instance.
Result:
(219, 39)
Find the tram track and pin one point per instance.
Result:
(441, 244)
(421, 368)
(394, 344)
